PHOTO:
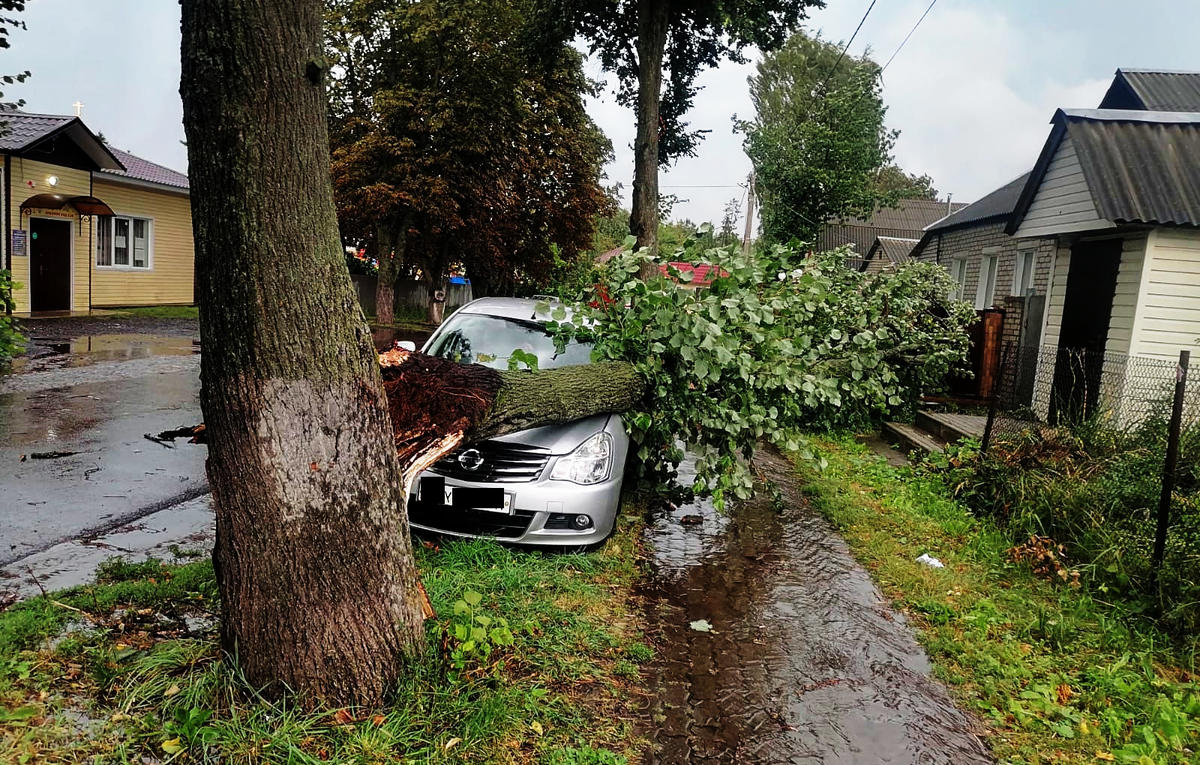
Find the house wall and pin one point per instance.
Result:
(1168, 319)
(70, 183)
(169, 280)
(970, 243)
(1062, 202)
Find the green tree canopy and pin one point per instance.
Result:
(448, 147)
(639, 40)
(891, 180)
(818, 140)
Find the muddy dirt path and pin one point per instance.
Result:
(805, 663)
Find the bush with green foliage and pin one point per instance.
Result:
(780, 342)
(11, 339)
(1095, 490)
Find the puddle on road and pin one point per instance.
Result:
(55, 353)
(806, 663)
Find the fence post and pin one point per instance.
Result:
(991, 421)
(1169, 467)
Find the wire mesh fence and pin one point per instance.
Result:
(1123, 434)
(1044, 386)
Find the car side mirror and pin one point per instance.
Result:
(406, 345)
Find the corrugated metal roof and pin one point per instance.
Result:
(145, 170)
(893, 249)
(1154, 90)
(20, 129)
(905, 222)
(995, 206)
(1139, 169)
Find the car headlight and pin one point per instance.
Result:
(590, 463)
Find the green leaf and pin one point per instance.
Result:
(472, 597)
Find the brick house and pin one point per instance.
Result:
(1095, 251)
(991, 268)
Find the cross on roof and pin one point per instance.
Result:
(78, 109)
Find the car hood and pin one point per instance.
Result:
(561, 438)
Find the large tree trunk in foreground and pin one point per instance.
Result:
(651, 42)
(318, 587)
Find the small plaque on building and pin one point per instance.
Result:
(18, 242)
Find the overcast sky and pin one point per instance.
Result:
(972, 92)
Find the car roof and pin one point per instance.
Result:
(509, 308)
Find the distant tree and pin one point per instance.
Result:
(728, 233)
(818, 140)
(893, 181)
(638, 39)
(449, 148)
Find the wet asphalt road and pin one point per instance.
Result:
(806, 661)
(116, 474)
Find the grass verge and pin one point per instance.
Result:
(151, 312)
(1057, 674)
(130, 671)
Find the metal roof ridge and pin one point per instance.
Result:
(1139, 70)
(1131, 115)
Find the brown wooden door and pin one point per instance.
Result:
(49, 265)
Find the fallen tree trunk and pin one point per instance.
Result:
(437, 405)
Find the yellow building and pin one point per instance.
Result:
(87, 226)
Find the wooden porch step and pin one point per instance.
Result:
(951, 427)
(912, 438)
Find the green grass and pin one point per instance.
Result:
(150, 312)
(561, 693)
(1055, 672)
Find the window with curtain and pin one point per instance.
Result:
(123, 241)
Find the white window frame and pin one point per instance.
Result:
(985, 291)
(1024, 268)
(110, 221)
(958, 272)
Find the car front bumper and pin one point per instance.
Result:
(541, 512)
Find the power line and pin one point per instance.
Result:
(717, 186)
(821, 90)
(910, 34)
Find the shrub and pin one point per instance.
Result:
(11, 340)
(1095, 490)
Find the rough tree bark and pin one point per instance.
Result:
(385, 280)
(318, 586)
(651, 42)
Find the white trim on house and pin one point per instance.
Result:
(989, 270)
(958, 272)
(1063, 202)
(112, 247)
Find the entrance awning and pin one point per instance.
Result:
(84, 205)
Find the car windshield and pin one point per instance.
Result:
(490, 340)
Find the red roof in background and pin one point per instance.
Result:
(701, 275)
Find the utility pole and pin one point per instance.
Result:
(749, 216)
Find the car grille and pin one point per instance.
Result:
(476, 522)
(502, 463)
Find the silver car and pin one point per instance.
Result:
(557, 485)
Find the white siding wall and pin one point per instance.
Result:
(1124, 308)
(1169, 308)
(1062, 202)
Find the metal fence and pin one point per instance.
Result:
(1142, 407)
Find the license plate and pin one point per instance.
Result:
(465, 497)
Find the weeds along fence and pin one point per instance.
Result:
(1103, 452)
